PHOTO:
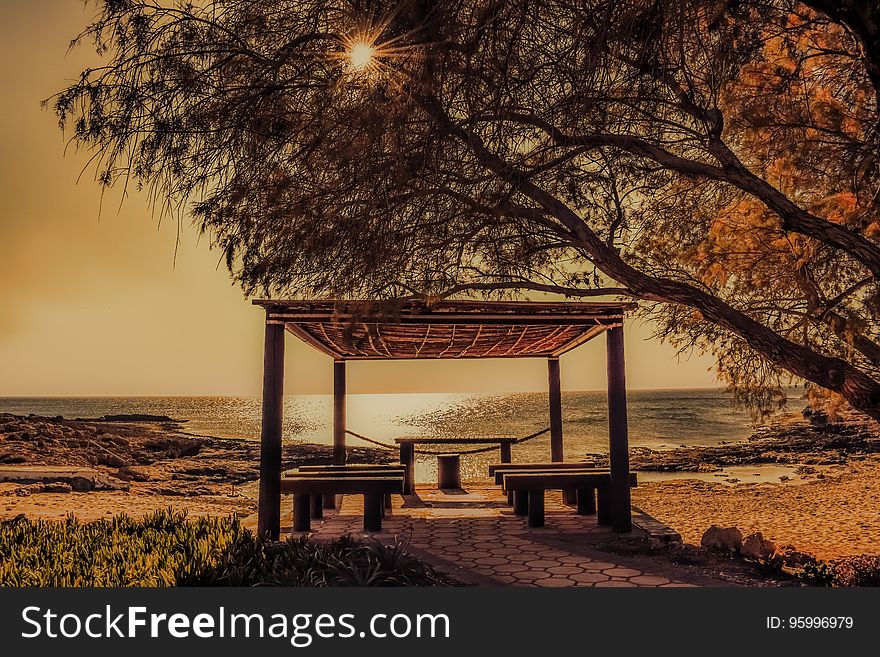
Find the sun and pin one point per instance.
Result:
(360, 55)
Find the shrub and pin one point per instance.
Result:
(863, 570)
(167, 549)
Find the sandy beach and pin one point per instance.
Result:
(833, 517)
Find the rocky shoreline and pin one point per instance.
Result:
(154, 451)
(790, 441)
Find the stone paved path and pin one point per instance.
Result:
(474, 535)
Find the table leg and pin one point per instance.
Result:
(505, 452)
(408, 458)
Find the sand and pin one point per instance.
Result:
(135, 502)
(834, 517)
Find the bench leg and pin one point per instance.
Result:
(388, 502)
(316, 502)
(373, 508)
(569, 496)
(408, 458)
(329, 501)
(604, 505)
(586, 501)
(510, 498)
(301, 519)
(520, 502)
(536, 508)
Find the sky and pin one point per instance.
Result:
(93, 302)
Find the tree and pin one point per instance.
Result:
(717, 160)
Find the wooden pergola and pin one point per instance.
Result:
(363, 330)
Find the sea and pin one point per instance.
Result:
(658, 419)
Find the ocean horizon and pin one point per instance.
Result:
(657, 418)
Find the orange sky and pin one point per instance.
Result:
(99, 307)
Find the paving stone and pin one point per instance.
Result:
(564, 570)
(649, 580)
(588, 578)
(510, 568)
(622, 572)
(543, 563)
(573, 559)
(555, 582)
(532, 575)
(491, 561)
(677, 585)
(613, 584)
(597, 565)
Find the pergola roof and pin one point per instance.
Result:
(407, 330)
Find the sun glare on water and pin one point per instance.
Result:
(360, 55)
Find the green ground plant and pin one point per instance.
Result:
(168, 549)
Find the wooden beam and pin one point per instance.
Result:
(618, 437)
(556, 448)
(447, 318)
(339, 455)
(269, 512)
(586, 336)
(312, 341)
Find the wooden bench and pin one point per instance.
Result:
(351, 467)
(307, 486)
(408, 451)
(529, 488)
(549, 465)
(568, 496)
(318, 504)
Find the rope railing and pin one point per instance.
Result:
(432, 452)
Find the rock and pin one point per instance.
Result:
(722, 539)
(110, 460)
(129, 473)
(57, 487)
(190, 449)
(755, 546)
(795, 559)
(168, 492)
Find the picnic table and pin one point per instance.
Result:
(408, 451)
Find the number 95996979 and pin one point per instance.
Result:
(810, 623)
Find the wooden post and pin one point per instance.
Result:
(269, 514)
(556, 449)
(618, 438)
(339, 412)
